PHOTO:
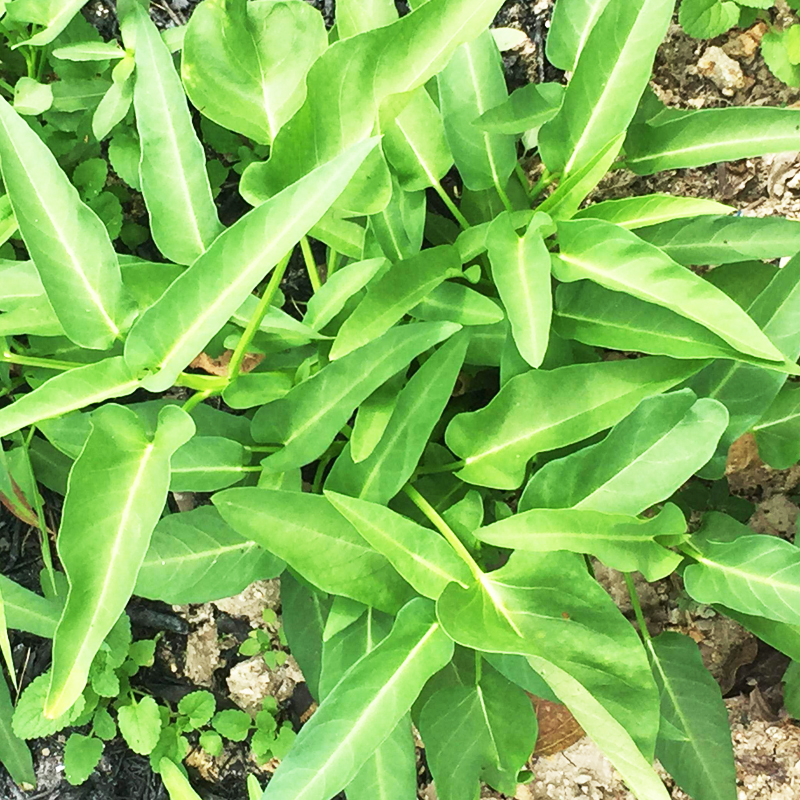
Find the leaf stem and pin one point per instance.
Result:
(237, 359)
(311, 265)
(6, 87)
(453, 466)
(29, 361)
(333, 261)
(451, 206)
(262, 449)
(637, 607)
(523, 179)
(196, 399)
(544, 181)
(438, 522)
(503, 196)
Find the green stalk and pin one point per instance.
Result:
(29, 361)
(452, 207)
(438, 522)
(544, 181)
(503, 197)
(523, 179)
(196, 399)
(311, 265)
(333, 261)
(637, 607)
(237, 359)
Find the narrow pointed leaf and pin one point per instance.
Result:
(131, 472)
(454, 302)
(309, 417)
(525, 111)
(27, 611)
(206, 464)
(617, 259)
(398, 228)
(395, 58)
(570, 27)
(588, 313)
(364, 708)
(576, 401)
(183, 218)
(521, 272)
(373, 416)
(758, 575)
(639, 212)
(74, 389)
(173, 331)
(312, 537)
(244, 64)
(394, 294)
(196, 557)
(702, 761)
(420, 405)
(54, 15)
(711, 135)
(14, 753)
(644, 459)
(419, 554)
(612, 71)
(66, 240)
(471, 84)
(725, 240)
(619, 541)
(551, 608)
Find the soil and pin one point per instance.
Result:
(200, 644)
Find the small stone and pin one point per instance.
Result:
(581, 779)
(716, 65)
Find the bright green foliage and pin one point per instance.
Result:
(459, 341)
(791, 690)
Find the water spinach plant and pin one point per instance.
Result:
(492, 388)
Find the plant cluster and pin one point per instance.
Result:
(490, 390)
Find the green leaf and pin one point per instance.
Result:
(356, 16)
(131, 471)
(171, 333)
(66, 240)
(757, 575)
(575, 401)
(176, 783)
(701, 761)
(140, 725)
(346, 86)
(651, 209)
(593, 315)
(90, 177)
(116, 102)
(32, 97)
(103, 724)
(344, 612)
(398, 228)
(30, 721)
(570, 27)
(454, 302)
(605, 730)
(196, 557)
(14, 753)
(747, 391)
(88, 51)
(524, 112)
(521, 272)
(309, 417)
(232, 723)
(183, 218)
(486, 730)
(471, 84)
(777, 50)
(27, 611)
(124, 152)
(244, 64)
(414, 140)
(74, 389)
(711, 135)
(644, 459)
(54, 15)
(419, 406)
(779, 635)
(550, 608)
(207, 463)
(364, 708)
(621, 542)
(330, 299)
(778, 431)
(312, 537)
(393, 295)
(373, 416)
(611, 74)
(5, 644)
(705, 19)
(419, 554)
(81, 755)
(211, 742)
(791, 690)
(620, 260)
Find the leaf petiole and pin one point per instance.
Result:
(311, 264)
(451, 206)
(30, 361)
(637, 607)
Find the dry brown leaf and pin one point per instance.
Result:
(558, 729)
(219, 366)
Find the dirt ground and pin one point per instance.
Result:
(200, 647)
